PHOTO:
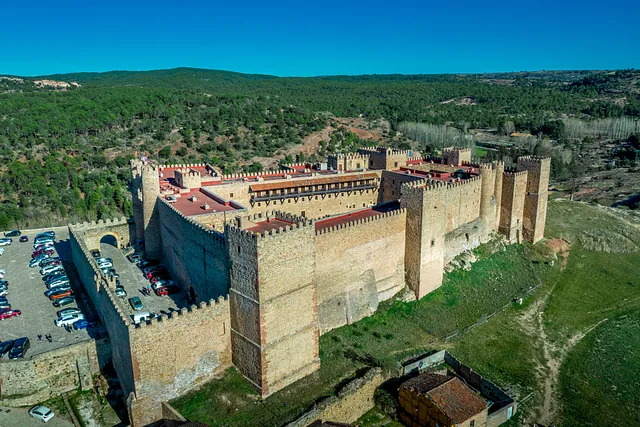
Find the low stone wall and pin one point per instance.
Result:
(32, 380)
(349, 404)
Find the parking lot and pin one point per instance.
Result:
(133, 280)
(26, 293)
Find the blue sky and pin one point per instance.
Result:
(306, 38)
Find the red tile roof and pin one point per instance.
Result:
(189, 208)
(270, 224)
(321, 224)
(452, 396)
(312, 181)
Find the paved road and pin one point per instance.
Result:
(19, 417)
(132, 279)
(26, 293)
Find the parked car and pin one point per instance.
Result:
(60, 276)
(139, 317)
(95, 253)
(43, 246)
(19, 348)
(58, 289)
(51, 234)
(70, 310)
(61, 294)
(2, 273)
(12, 233)
(68, 319)
(54, 275)
(23, 239)
(160, 277)
(35, 262)
(1, 251)
(4, 282)
(59, 282)
(83, 324)
(156, 273)
(41, 413)
(136, 303)
(4, 303)
(9, 313)
(64, 301)
(162, 282)
(5, 241)
(5, 346)
(105, 264)
(4, 292)
(50, 269)
(42, 252)
(101, 259)
(134, 258)
(162, 291)
(109, 271)
(41, 241)
(120, 291)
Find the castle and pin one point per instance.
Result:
(274, 260)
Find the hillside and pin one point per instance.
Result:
(77, 131)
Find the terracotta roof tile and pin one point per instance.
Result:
(452, 396)
(311, 181)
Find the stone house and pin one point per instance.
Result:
(436, 400)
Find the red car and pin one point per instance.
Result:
(41, 252)
(54, 297)
(161, 276)
(156, 273)
(8, 313)
(162, 291)
(43, 246)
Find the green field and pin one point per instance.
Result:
(593, 286)
(600, 378)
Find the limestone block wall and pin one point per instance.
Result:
(321, 205)
(187, 178)
(425, 231)
(514, 185)
(195, 255)
(94, 231)
(391, 185)
(351, 279)
(174, 354)
(105, 303)
(276, 342)
(462, 202)
(535, 202)
(35, 379)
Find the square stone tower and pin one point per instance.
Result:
(535, 202)
(274, 303)
(424, 246)
(514, 185)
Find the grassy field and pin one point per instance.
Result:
(600, 378)
(599, 281)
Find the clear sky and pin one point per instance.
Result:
(318, 37)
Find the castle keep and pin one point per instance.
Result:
(275, 259)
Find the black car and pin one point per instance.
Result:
(24, 239)
(5, 346)
(20, 347)
(64, 301)
(13, 233)
(95, 253)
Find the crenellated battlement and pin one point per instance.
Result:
(455, 148)
(216, 238)
(205, 308)
(283, 172)
(533, 159)
(359, 221)
(100, 223)
(512, 173)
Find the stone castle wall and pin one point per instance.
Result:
(514, 185)
(177, 353)
(350, 277)
(29, 381)
(196, 256)
(462, 203)
(535, 202)
(391, 185)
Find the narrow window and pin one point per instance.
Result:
(231, 195)
(433, 242)
(238, 248)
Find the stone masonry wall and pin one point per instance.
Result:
(462, 202)
(196, 256)
(35, 379)
(535, 202)
(514, 185)
(176, 354)
(350, 277)
(391, 185)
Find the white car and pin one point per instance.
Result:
(5, 241)
(2, 273)
(161, 283)
(69, 319)
(41, 413)
(105, 264)
(50, 269)
(1, 251)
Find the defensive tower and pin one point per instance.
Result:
(535, 202)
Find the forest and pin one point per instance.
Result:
(65, 153)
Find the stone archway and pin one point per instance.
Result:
(109, 239)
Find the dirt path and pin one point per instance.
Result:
(548, 371)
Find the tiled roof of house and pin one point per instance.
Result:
(450, 394)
